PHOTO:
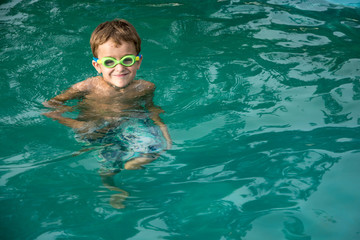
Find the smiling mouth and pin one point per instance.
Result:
(121, 75)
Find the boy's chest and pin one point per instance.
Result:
(111, 104)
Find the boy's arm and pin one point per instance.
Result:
(76, 91)
(58, 104)
(155, 115)
(69, 122)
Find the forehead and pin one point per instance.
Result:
(111, 48)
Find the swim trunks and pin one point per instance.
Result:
(134, 137)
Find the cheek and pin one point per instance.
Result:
(106, 71)
(136, 67)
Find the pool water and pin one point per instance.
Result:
(261, 99)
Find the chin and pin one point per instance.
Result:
(121, 84)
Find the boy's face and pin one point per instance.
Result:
(118, 76)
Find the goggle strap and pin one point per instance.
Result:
(97, 60)
(138, 57)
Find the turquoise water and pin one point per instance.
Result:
(261, 100)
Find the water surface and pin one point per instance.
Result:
(261, 100)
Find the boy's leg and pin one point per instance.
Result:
(116, 200)
(137, 162)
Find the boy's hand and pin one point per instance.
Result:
(53, 114)
(58, 106)
(57, 115)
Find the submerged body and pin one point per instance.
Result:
(118, 120)
(124, 141)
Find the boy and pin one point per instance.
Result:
(114, 106)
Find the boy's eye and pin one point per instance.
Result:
(128, 60)
(109, 62)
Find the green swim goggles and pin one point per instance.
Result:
(111, 62)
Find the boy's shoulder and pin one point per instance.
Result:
(87, 85)
(144, 85)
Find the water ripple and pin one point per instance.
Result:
(292, 40)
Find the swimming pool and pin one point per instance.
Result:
(261, 100)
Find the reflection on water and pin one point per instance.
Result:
(261, 101)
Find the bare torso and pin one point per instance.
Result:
(101, 103)
(107, 103)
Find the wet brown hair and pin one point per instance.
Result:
(117, 30)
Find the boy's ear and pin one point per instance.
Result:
(141, 58)
(96, 66)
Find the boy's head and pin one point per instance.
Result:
(119, 31)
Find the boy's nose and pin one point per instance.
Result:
(119, 67)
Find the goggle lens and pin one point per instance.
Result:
(109, 63)
(128, 61)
